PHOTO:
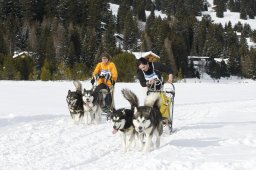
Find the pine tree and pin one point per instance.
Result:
(149, 24)
(158, 5)
(22, 38)
(50, 8)
(38, 10)
(223, 69)
(200, 30)
(89, 48)
(220, 8)
(3, 48)
(253, 35)
(180, 74)
(24, 66)
(245, 60)
(164, 56)
(234, 65)
(191, 70)
(205, 5)
(141, 11)
(50, 53)
(121, 16)
(149, 5)
(247, 30)
(243, 14)
(70, 58)
(109, 39)
(130, 32)
(126, 66)
(231, 6)
(252, 69)
(9, 71)
(214, 42)
(214, 69)
(46, 74)
(199, 6)
(11, 10)
(250, 8)
(238, 27)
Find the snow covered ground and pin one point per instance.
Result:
(215, 127)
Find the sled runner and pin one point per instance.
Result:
(167, 94)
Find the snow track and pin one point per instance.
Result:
(213, 130)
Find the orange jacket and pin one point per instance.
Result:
(108, 67)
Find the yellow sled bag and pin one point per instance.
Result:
(165, 108)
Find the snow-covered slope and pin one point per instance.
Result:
(233, 17)
(215, 127)
(114, 9)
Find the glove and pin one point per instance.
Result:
(92, 81)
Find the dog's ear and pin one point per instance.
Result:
(69, 91)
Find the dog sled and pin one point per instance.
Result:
(167, 94)
(105, 95)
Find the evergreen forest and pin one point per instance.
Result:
(63, 39)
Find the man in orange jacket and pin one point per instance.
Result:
(106, 73)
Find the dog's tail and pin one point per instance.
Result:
(78, 85)
(153, 100)
(131, 97)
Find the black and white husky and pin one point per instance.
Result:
(123, 122)
(147, 120)
(75, 102)
(92, 109)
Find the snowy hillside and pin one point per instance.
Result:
(215, 127)
(233, 17)
(114, 9)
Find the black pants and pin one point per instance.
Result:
(108, 98)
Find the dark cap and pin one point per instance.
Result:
(143, 61)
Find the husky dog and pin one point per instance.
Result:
(122, 121)
(146, 120)
(75, 102)
(92, 109)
